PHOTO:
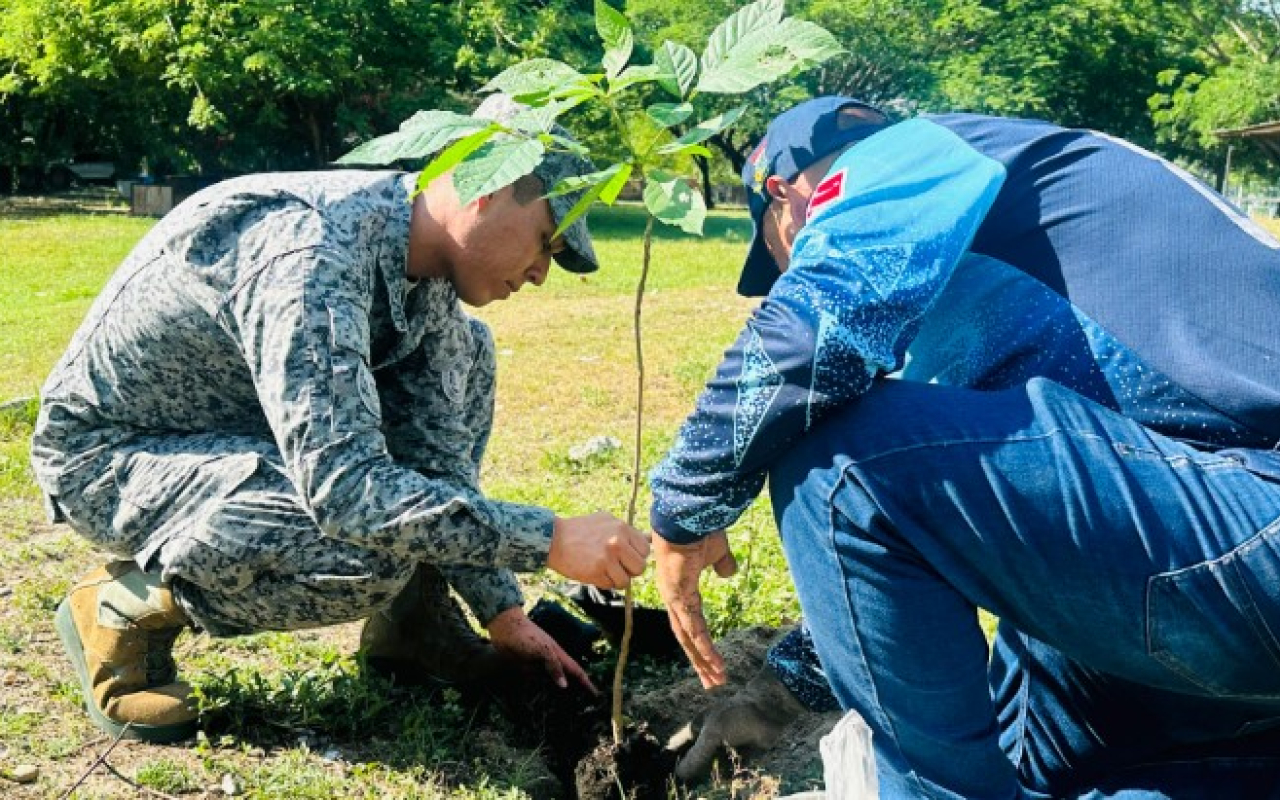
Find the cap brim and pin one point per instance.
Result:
(575, 262)
(578, 255)
(759, 271)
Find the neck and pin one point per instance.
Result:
(428, 240)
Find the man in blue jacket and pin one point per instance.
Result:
(1081, 439)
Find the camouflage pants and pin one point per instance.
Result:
(243, 554)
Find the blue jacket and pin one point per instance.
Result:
(980, 252)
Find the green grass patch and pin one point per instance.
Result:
(14, 724)
(169, 776)
(53, 266)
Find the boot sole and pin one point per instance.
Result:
(157, 734)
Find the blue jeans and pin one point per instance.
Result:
(1137, 581)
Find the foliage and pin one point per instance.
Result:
(1081, 63)
(753, 46)
(246, 85)
(243, 85)
(1234, 81)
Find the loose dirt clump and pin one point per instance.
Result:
(571, 729)
(640, 765)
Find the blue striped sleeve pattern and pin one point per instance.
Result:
(869, 264)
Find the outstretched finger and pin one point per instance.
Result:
(574, 670)
(690, 628)
(555, 669)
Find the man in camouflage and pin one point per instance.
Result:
(274, 416)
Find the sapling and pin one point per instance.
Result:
(753, 46)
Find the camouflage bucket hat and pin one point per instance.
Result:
(578, 255)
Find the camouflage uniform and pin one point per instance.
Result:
(261, 407)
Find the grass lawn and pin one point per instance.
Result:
(294, 716)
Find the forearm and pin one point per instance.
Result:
(374, 503)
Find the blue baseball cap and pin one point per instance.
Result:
(795, 139)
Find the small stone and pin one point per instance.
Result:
(256, 752)
(595, 446)
(9, 678)
(332, 754)
(5, 591)
(230, 786)
(25, 773)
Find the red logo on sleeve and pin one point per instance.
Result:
(831, 188)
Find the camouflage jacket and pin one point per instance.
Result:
(274, 308)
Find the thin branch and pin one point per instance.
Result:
(628, 600)
(99, 760)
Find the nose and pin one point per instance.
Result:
(537, 273)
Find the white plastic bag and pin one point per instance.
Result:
(848, 761)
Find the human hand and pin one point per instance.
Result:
(598, 549)
(678, 569)
(519, 638)
(753, 717)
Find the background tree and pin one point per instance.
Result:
(243, 85)
(1232, 80)
(1080, 63)
(66, 88)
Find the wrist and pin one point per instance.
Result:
(557, 538)
(506, 620)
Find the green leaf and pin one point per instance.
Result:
(537, 76)
(582, 90)
(453, 154)
(668, 114)
(575, 183)
(758, 16)
(419, 136)
(704, 130)
(540, 119)
(610, 190)
(694, 150)
(671, 200)
(495, 164)
(766, 54)
(615, 32)
(557, 142)
(677, 67)
(579, 208)
(633, 75)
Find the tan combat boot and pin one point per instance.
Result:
(118, 626)
(423, 638)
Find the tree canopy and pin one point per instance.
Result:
(216, 86)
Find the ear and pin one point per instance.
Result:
(483, 201)
(776, 187)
